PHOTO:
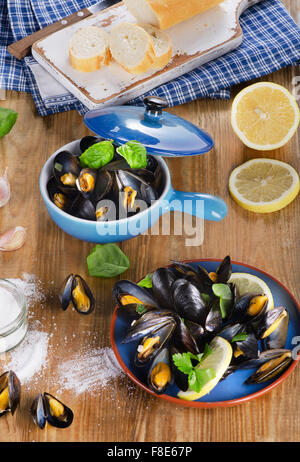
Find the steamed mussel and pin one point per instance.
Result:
(75, 291)
(48, 409)
(104, 193)
(10, 393)
(182, 312)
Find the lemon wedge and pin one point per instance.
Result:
(264, 185)
(218, 360)
(265, 116)
(246, 282)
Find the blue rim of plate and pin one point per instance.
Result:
(232, 390)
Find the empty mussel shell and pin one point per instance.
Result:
(10, 392)
(75, 291)
(66, 168)
(48, 409)
(271, 368)
(160, 372)
(223, 271)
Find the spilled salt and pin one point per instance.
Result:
(30, 286)
(89, 371)
(30, 357)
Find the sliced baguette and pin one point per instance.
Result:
(89, 49)
(167, 13)
(132, 47)
(162, 46)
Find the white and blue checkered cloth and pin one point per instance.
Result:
(271, 42)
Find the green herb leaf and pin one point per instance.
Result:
(135, 154)
(207, 351)
(183, 362)
(205, 297)
(225, 307)
(107, 261)
(147, 281)
(97, 155)
(240, 337)
(8, 119)
(222, 291)
(140, 308)
(199, 378)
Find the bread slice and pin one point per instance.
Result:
(89, 49)
(167, 13)
(162, 46)
(131, 46)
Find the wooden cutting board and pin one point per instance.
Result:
(195, 42)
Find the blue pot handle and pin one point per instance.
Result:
(200, 205)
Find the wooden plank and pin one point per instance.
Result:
(121, 411)
(2, 94)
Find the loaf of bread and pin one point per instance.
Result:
(167, 13)
(132, 47)
(89, 49)
(162, 46)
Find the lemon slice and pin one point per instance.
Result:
(264, 185)
(265, 116)
(246, 282)
(218, 360)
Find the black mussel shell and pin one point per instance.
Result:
(86, 182)
(271, 368)
(180, 378)
(88, 141)
(214, 319)
(183, 338)
(103, 185)
(133, 301)
(61, 198)
(248, 348)
(10, 392)
(272, 321)
(224, 270)
(188, 301)
(200, 335)
(46, 408)
(66, 168)
(162, 280)
(74, 290)
(249, 307)
(263, 357)
(159, 376)
(231, 330)
(153, 343)
(83, 208)
(277, 339)
(204, 280)
(149, 323)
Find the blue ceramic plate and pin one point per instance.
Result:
(232, 390)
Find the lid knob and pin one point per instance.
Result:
(155, 104)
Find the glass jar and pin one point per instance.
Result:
(13, 315)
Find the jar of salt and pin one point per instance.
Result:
(13, 315)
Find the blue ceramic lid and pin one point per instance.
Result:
(162, 133)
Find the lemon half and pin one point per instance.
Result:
(265, 116)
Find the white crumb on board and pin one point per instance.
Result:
(205, 31)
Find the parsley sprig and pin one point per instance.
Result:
(188, 363)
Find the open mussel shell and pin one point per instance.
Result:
(248, 348)
(277, 338)
(183, 338)
(86, 182)
(83, 208)
(159, 376)
(200, 335)
(273, 320)
(132, 299)
(231, 330)
(88, 141)
(75, 291)
(162, 280)
(59, 196)
(48, 409)
(66, 169)
(10, 392)
(188, 301)
(214, 319)
(271, 369)
(249, 307)
(149, 323)
(103, 184)
(153, 343)
(223, 271)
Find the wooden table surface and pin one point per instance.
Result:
(123, 412)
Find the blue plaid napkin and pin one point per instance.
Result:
(271, 41)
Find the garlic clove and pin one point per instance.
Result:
(13, 239)
(4, 189)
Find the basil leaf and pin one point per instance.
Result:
(97, 155)
(147, 281)
(240, 337)
(8, 119)
(135, 154)
(222, 291)
(107, 261)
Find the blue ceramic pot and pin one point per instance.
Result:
(197, 204)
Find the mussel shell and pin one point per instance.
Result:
(148, 323)
(162, 280)
(269, 319)
(224, 270)
(200, 335)
(88, 141)
(82, 309)
(164, 334)
(83, 208)
(62, 421)
(61, 197)
(188, 302)
(263, 357)
(65, 291)
(271, 369)
(106, 210)
(188, 272)
(87, 190)
(38, 411)
(214, 319)
(142, 296)
(231, 330)
(277, 339)
(10, 381)
(183, 338)
(103, 185)
(66, 163)
(249, 347)
(180, 378)
(240, 312)
(162, 357)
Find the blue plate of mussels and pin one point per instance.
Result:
(180, 310)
